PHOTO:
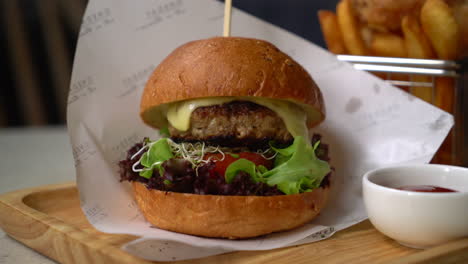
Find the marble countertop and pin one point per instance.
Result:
(31, 157)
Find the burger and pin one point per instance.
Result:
(235, 159)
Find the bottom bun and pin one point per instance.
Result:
(231, 217)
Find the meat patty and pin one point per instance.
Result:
(234, 124)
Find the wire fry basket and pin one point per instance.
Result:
(439, 82)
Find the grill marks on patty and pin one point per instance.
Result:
(234, 124)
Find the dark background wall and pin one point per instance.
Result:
(297, 16)
(38, 38)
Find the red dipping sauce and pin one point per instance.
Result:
(425, 188)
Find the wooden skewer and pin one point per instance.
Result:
(227, 18)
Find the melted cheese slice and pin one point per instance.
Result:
(293, 116)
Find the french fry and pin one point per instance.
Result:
(440, 26)
(388, 45)
(367, 34)
(444, 93)
(422, 92)
(401, 77)
(350, 28)
(331, 32)
(460, 10)
(417, 44)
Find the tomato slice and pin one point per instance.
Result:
(221, 165)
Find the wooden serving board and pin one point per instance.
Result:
(49, 220)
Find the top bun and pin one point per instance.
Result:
(229, 66)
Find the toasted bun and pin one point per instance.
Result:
(229, 66)
(228, 216)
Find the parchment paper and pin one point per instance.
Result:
(369, 123)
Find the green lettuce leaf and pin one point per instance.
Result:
(238, 166)
(283, 154)
(159, 152)
(146, 174)
(297, 169)
(262, 169)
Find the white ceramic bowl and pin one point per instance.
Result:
(418, 219)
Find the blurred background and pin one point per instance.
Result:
(37, 45)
